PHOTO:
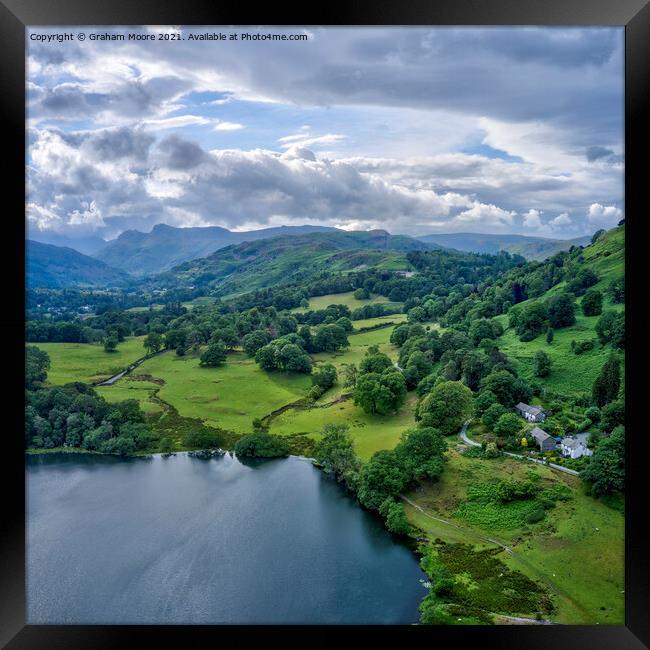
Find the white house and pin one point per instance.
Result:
(531, 413)
(574, 448)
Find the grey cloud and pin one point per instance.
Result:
(179, 154)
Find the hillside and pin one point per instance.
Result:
(282, 259)
(532, 248)
(571, 373)
(87, 245)
(164, 247)
(56, 267)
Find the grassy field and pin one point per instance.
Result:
(570, 373)
(348, 299)
(229, 397)
(370, 433)
(89, 362)
(379, 320)
(128, 388)
(577, 550)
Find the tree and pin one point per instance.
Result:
(473, 367)
(350, 374)
(549, 335)
(329, 338)
(420, 453)
(361, 294)
(531, 321)
(374, 361)
(492, 415)
(541, 364)
(380, 393)
(324, 377)
(110, 343)
(381, 478)
(396, 520)
(214, 355)
(446, 407)
(37, 363)
(417, 315)
(261, 445)
(153, 342)
(616, 290)
(291, 358)
(606, 469)
(399, 335)
(597, 235)
(335, 453)
(345, 324)
(611, 328)
(508, 424)
(255, 340)
(227, 336)
(483, 402)
(505, 386)
(592, 302)
(606, 386)
(613, 414)
(561, 310)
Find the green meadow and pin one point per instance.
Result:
(88, 362)
(228, 397)
(576, 550)
(347, 299)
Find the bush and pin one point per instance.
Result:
(535, 515)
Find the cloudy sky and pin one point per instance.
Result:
(414, 130)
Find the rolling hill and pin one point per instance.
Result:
(570, 373)
(57, 267)
(269, 262)
(165, 246)
(532, 248)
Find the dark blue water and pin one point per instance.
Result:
(182, 540)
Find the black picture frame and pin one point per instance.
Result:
(15, 15)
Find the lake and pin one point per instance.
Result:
(183, 540)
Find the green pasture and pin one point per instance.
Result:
(88, 362)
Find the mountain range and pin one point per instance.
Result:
(164, 247)
(532, 248)
(168, 256)
(264, 263)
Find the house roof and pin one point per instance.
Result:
(533, 410)
(571, 443)
(539, 434)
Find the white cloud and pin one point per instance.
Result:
(304, 139)
(176, 122)
(561, 220)
(487, 214)
(532, 219)
(228, 126)
(604, 215)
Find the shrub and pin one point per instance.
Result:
(535, 515)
